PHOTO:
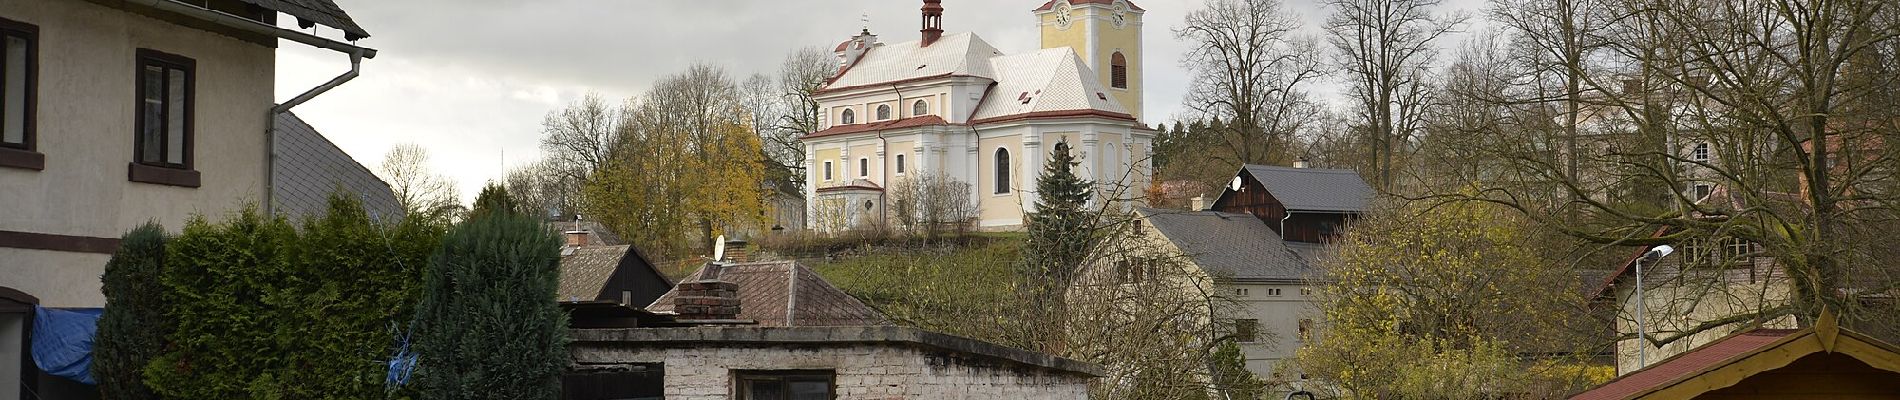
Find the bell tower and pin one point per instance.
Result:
(933, 21)
(1107, 35)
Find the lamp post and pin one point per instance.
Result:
(1642, 333)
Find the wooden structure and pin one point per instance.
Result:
(1820, 362)
(1309, 205)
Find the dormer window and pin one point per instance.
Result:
(883, 112)
(847, 117)
(920, 108)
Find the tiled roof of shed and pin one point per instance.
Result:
(323, 12)
(309, 167)
(1229, 245)
(585, 269)
(1677, 367)
(784, 293)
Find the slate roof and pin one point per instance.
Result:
(784, 293)
(323, 12)
(1229, 245)
(308, 167)
(585, 269)
(1314, 189)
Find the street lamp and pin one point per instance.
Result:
(1642, 334)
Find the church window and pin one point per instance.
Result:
(883, 112)
(847, 117)
(900, 164)
(1002, 171)
(864, 167)
(827, 170)
(1118, 71)
(920, 108)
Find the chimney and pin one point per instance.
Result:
(933, 21)
(1302, 163)
(577, 238)
(1198, 203)
(736, 252)
(707, 298)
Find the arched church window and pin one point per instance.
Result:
(883, 112)
(920, 108)
(1118, 71)
(1002, 171)
(847, 117)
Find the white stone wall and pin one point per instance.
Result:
(863, 371)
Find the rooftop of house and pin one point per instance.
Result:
(587, 270)
(309, 168)
(1230, 246)
(1731, 360)
(752, 336)
(321, 12)
(784, 293)
(1314, 189)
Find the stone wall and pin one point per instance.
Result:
(863, 371)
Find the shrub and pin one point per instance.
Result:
(132, 329)
(489, 325)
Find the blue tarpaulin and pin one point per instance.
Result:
(62, 341)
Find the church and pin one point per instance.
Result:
(953, 106)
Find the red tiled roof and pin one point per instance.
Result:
(878, 126)
(1052, 4)
(784, 293)
(1686, 365)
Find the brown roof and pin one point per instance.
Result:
(585, 269)
(322, 12)
(784, 293)
(878, 126)
(1052, 4)
(1685, 364)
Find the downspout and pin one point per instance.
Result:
(884, 171)
(1289, 214)
(357, 54)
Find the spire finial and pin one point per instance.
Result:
(866, 19)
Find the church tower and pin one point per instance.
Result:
(1107, 34)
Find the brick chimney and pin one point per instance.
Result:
(707, 298)
(577, 238)
(1198, 203)
(933, 21)
(736, 251)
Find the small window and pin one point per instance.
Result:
(1306, 291)
(1240, 292)
(827, 170)
(883, 112)
(1118, 71)
(785, 385)
(1135, 228)
(1002, 171)
(864, 167)
(1700, 152)
(1131, 271)
(920, 108)
(847, 117)
(900, 164)
(19, 54)
(1273, 292)
(164, 117)
(1246, 330)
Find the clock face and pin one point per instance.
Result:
(1121, 14)
(1062, 15)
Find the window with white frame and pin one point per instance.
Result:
(883, 112)
(864, 167)
(1700, 152)
(1701, 190)
(920, 108)
(847, 117)
(900, 164)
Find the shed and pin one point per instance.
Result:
(1824, 361)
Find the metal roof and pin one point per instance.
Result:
(1314, 189)
(1228, 245)
(958, 54)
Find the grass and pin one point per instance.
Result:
(947, 286)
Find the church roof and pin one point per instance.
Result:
(1046, 80)
(960, 54)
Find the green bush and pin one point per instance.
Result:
(266, 311)
(489, 325)
(132, 330)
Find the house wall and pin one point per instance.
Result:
(1279, 317)
(1675, 301)
(87, 74)
(863, 371)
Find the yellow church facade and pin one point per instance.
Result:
(953, 108)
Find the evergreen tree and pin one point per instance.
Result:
(489, 325)
(132, 330)
(1061, 234)
(494, 197)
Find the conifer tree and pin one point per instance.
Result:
(489, 325)
(132, 330)
(1061, 233)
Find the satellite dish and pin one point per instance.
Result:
(1235, 185)
(719, 249)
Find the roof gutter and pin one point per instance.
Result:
(356, 53)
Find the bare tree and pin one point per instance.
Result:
(932, 203)
(418, 189)
(1249, 70)
(544, 188)
(1385, 48)
(578, 139)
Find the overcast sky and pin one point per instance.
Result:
(471, 79)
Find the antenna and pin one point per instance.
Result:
(719, 249)
(866, 19)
